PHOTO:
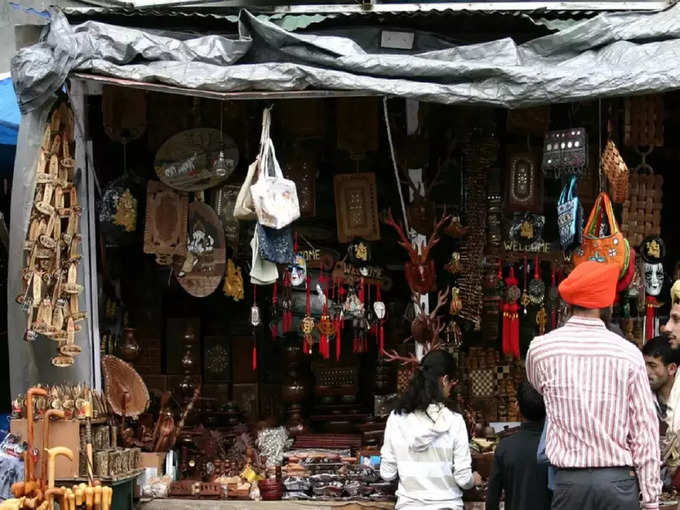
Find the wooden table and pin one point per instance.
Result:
(230, 504)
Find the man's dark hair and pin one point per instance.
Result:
(530, 402)
(660, 347)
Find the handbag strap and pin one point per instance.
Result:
(592, 225)
(572, 185)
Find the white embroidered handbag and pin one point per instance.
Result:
(275, 197)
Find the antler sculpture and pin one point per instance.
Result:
(420, 272)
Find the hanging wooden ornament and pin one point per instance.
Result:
(420, 272)
(202, 270)
(326, 327)
(233, 283)
(307, 325)
(524, 300)
(537, 286)
(165, 226)
(379, 309)
(356, 207)
(456, 303)
(186, 160)
(123, 113)
(524, 183)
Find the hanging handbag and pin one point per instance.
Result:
(245, 208)
(570, 217)
(262, 272)
(565, 152)
(274, 196)
(276, 245)
(612, 248)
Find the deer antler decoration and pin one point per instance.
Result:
(420, 272)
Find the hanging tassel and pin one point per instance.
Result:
(507, 344)
(513, 322)
(338, 339)
(254, 361)
(382, 338)
(649, 317)
(275, 300)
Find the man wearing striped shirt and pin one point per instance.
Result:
(603, 433)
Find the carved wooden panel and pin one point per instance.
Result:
(356, 207)
(165, 227)
(524, 183)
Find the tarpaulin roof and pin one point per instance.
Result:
(618, 53)
(9, 113)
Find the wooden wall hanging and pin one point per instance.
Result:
(354, 112)
(52, 246)
(185, 161)
(523, 183)
(529, 121)
(123, 113)
(301, 169)
(202, 270)
(644, 121)
(356, 207)
(223, 201)
(165, 227)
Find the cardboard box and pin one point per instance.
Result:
(62, 433)
(155, 460)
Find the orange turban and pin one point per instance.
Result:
(591, 285)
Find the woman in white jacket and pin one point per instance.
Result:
(426, 444)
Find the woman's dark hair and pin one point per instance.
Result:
(425, 387)
(530, 402)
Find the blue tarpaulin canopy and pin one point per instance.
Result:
(9, 113)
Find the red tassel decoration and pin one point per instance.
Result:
(275, 300)
(649, 317)
(254, 354)
(513, 322)
(511, 319)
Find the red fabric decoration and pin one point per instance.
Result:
(591, 285)
(275, 300)
(511, 321)
(649, 317)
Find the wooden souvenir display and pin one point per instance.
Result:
(353, 112)
(223, 201)
(356, 207)
(201, 272)
(52, 246)
(524, 183)
(644, 121)
(185, 161)
(616, 170)
(641, 215)
(301, 169)
(480, 155)
(529, 121)
(420, 272)
(165, 228)
(302, 119)
(123, 113)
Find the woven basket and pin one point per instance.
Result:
(617, 172)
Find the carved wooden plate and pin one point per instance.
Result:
(205, 243)
(185, 161)
(356, 207)
(165, 227)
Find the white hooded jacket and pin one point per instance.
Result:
(430, 454)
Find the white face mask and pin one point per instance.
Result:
(654, 278)
(298, 271)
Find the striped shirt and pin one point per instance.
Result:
(598, 401)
